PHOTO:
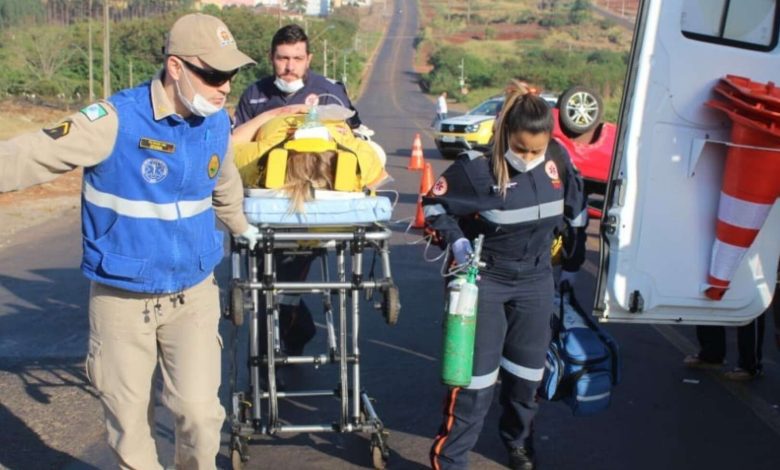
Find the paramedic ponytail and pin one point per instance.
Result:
(523, 110)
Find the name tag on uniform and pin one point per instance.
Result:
(157, 145)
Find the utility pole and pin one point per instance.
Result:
(468, 12)
(106, 53)
(344, 68)
(325, 58)
(462, 81)
(89, 52)
(130, 74)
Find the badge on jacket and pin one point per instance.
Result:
(213, 165)
(60, 130)
(158, 145)
(552, 171)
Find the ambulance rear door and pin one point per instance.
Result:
(658, 229)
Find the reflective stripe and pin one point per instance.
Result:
(741, 213)
(434, 209)
(593, 397)
(526, 214)
(145, 209)
(725, 260)
(478, 382)
(534, 375)
(581, 220)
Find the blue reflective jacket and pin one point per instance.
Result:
(148, 222)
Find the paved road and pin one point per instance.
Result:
(663, 416)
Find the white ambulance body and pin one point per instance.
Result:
(661, 208)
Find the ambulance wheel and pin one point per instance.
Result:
(579, 110)
(391, 304)
(237, 306)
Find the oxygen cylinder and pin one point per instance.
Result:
(460, 326)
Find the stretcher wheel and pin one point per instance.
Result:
(377, 458)
(391, 304)
(239, 453)
(236, 462)
(237, 306)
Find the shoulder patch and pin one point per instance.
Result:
(60, 130)
(94, 112)
(440, 187)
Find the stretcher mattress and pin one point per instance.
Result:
(270, 207)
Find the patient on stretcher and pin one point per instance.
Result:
(299, 149)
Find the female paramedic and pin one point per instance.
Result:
(516, 196)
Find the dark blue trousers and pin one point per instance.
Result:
(513, 333)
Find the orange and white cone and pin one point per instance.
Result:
(416, 161)
(751, 184)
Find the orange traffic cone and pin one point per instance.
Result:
(751, 184)
(419, 216)
(426, 181)
(416, 161)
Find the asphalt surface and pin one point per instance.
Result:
(662, 415)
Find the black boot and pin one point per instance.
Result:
(521, 458)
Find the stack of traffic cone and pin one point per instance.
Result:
(751, 178)
(416, 161)
(426, 183)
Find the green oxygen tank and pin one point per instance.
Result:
(461, 324)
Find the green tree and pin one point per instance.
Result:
(297, 6)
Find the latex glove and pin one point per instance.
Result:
(251, 235)
(567, 277)
(461, 250)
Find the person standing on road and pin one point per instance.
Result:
(516, 196)
(157, 169)
(292, 84)
(441, 106)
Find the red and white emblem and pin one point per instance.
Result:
(552, 170)
(439, 187)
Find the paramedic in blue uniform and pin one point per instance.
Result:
(291, 84)
(516, 195)
(158, 168)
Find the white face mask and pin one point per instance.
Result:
(520, 164)
(199, 105)
(288, 87)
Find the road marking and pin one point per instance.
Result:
(763, 410)
(398, 348)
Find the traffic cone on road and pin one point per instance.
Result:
(419, 216)
(426, 181)
(416, 161)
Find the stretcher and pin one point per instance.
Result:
(344, 226)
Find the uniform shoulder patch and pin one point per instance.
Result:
(60, 130)
(94, 112)
(440, 187)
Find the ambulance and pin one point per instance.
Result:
(690, 233)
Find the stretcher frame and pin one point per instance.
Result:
(349, 243)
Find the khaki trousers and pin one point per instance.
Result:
(130, 335)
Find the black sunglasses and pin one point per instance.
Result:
(210, 76)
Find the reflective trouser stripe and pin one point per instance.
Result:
(479, 382)
(526, 373)
(145, 209)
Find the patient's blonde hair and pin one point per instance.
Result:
(305, 173)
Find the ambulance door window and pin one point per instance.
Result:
(749, 24)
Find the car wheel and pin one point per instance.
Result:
(580, 110)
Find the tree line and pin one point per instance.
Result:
(50, 59)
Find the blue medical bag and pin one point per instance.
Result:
(583, 361)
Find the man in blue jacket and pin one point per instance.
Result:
(158, 168)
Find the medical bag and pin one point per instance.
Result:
(583, 361)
